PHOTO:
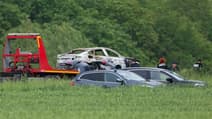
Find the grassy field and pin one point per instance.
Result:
(55, 99)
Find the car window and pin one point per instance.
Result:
(143, 73)
(112, 53)
(99, 52)
(76, 51)
(130, 75)
(91, 52)
(93, 76)
(110, 77)
(164, 76)
(156, 75)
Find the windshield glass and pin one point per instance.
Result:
(178, 76)
(130, 75)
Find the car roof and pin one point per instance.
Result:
(91, 48)
(144, 68)
(99, 71)
(96, 71)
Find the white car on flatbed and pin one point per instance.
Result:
(91, 54)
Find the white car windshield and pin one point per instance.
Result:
(130, 75)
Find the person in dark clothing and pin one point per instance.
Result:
(174, 67)
(132, 62)
(198, 65)
(162, 63)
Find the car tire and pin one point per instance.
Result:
(118, 67)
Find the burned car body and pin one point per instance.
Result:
(66, 60)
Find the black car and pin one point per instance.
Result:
(112, 78)
(164, 76)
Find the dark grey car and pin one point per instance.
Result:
(164, 76)
(112, 78)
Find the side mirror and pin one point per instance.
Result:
(170, 80)
(121, 81)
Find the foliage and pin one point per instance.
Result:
(178, 29)
(44, 99)
(10, 16)
(57, 38)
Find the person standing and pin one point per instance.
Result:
(174, 67)
(162, 63)
(198, 65)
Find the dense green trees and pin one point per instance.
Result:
(10, 16)
(145, 29)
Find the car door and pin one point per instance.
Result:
(112, 80)
(99, 54)
(96, 79)
(159, 76)
(115, 58)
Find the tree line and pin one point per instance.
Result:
(145, 29)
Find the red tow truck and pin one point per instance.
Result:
(17, 63)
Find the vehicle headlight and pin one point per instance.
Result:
(199, 84)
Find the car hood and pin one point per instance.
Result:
(196, 83)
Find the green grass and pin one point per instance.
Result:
(55, 99)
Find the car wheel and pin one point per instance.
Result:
(118, 67)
